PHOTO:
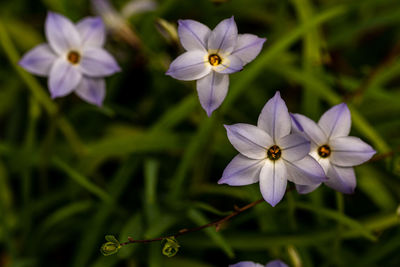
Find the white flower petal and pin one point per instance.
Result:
(273, 181)
(248, 47)
(97, 62)
(92, 31)
(193, 34)
(249, 140)
(192, 65)
(306, 171)
(223, 37)
(294, 147)
(92, 90)
(342, 179)
(241, 171)
(305, 189)
(212, 90)
(276, 263)
(61, 33)
(350, 151)
(229, 64)
(63, 78)
(38, 60)
(336, 121)
(274, 118)
(310, 129)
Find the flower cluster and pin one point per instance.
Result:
(283, 147)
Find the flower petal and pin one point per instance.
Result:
(92, 31)
(229, 64)
(92, 90)
(212, 90)
(38, 60)
(305, 189)
(342, 179)
(294, 147)
(189, 66)
(306, 171)
(249, 140)
(193, 34)
(241, 171)
(274, 118)
(97, 62)
(248, 46)
(276, 263)
(273, 181)
(223, 37)
(247, 264)
(310, 129)
(350, 151)
(336, 121)
(63, 78)
(61, 33)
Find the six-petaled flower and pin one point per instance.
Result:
(331, 146)
(211, 56)
(270, 154)
(73, 59)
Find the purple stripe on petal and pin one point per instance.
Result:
(350, 151)
(224, 36)
(294, 147)
(230, 64)
(248, 47)
(193, 34)
(342, 179)
(212, 90)
(97, 62)
(273, 181)
(306, 171)
(92, 31)
(63, 78)
(92, 90)
(38, 60)
(61, 33)
(336, 121)
(241, 171)
(310, 129)
(190, 66)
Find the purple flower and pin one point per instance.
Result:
(270, 154)
(275, 263)
(73, 59)
(331, 146)
(211, 56)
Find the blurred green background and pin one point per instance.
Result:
(147, 163)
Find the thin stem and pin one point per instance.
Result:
(195, 229)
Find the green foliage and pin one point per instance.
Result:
(170, 246)
(111, 247)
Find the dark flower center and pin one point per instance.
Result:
(214, 59)
(324, 151)
(73, 57)
(274, 152)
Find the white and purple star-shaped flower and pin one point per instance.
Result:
(73, 59)
(334, 150)
(211, 56)
(270, 154)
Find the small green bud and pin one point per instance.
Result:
(170, 246)
(111, 247)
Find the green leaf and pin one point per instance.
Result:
(111, 238)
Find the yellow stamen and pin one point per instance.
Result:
(324, 151)
(214, 59)
(73, 57)
(274, 152)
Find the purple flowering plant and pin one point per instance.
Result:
(274, 263)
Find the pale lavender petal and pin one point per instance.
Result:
(274, 118)
(212, 91)
(92, 90)
(248, 46)
(134, 7)
(273, 181)
(38, 60)
(92, 31)
(63, 78)
(246, 264)
(61, 33)
(305, 189)
(249, 140)
(97, 62)
(276, 263)
(241, 171)
(229, 64)
(336, 121)
(223, 37)
(350, 151)
(193, 34)
(306, 171)
(294, 146)
(342, 179)
(189, 66)
(310, 129)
